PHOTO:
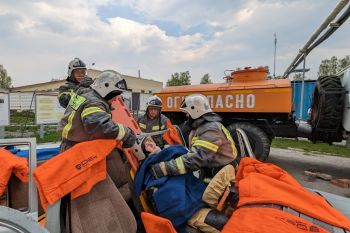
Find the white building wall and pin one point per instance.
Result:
(20, 101)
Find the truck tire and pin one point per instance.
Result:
(258, 139)
(327, 109)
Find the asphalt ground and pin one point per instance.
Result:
(296, 162)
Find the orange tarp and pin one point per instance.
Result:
(74, 171)
(10, 163)
(156, 224)
(266, 183)
(268, 220)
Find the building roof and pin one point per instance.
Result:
(2, 90)
(134, 83)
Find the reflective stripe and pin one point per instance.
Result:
(76, 101)
(157, 128)
(180, 165)
(121, 132)
(229, 137)
(194, 139)
(206, 144)
(90, 110)
(163, 168)
(69, 125)
(143, 126)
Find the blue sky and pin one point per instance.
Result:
(158, 37)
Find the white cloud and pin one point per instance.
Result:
(41, 37)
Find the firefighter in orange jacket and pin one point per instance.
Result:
(88, 114)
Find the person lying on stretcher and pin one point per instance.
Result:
(204, 215)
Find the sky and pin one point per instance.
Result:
(161, 37)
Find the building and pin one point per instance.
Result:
(135, 84)
(139, 89)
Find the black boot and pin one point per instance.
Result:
(216, 219)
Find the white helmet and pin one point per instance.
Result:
(195, 105)
(108, 84)
(74, 64)
(154, 101)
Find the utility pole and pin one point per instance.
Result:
(302, 89)
(274, 57)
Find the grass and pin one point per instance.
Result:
(307, 146)
(24, 121)
(50, 136)
(25, 117)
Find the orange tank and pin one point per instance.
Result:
(247, 100)
(246, 90)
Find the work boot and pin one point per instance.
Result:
(198, 221)
(216, 219)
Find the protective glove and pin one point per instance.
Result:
(129, 138)
(159, 170)
(86, 82)
(64, 100)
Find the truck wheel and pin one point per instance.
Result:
(258, 139)
(326, 110)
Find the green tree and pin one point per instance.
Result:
(206, 79)
(344, 62)
(179, 79)
(333, 65)
(298, 77)
(5, 80)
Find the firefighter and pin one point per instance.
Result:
(211, 148)
(153, 120)
(76, 78)
(88, 114)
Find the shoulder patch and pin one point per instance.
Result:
(76, 101)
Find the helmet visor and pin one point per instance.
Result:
(183, 106)
(155, 103)
(78, 64)
(121, 85)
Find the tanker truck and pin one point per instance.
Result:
(263, 108)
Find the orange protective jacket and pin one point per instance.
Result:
(74, 171)
(265, 183)
(10, 163)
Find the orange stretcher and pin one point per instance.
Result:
(121, 114)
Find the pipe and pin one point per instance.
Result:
(323, 26)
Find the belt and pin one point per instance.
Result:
(270, 205)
